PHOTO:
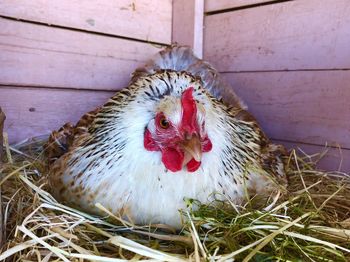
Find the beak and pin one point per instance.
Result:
(192, 148)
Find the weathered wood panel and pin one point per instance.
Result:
(35, 111)
(335, 159)
(140, 19)
(309, 107)
(188, 19)
(36, 55)
(286, 36)
(216, 5)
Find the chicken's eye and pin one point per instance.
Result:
(164, 123)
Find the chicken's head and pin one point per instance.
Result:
(178, 132)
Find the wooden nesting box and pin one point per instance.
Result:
(288, 60)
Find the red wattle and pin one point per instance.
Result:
(189, 111)
(172, 159)
(206, 145)
(193, 165)
(149, 143)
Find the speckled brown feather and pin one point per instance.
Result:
(57, 151)
(273, 158)
(60, 141)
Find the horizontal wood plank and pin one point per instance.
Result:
(36, 111)
(36, 55)
(286, 36)
(309, 107)
(140, 19)
(334, 159)
(215, 5)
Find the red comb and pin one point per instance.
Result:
(189, 108)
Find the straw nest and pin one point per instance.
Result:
(309, 223)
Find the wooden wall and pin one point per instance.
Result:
(290, 61)
(59, 59)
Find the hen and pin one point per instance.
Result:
(177, 131)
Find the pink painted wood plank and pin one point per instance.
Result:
(291, 35)
(37, 55)
(309, 107)
(140, 19)
(335, 159)
(216, 5)
(36, 111)
(188, 18)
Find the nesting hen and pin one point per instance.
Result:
(177, 131)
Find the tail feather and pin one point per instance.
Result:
(181, 58)
(59, 142)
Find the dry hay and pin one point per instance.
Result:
(311, 223)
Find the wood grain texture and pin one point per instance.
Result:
(36, 111)
(309, 107)
(216, 5)
(187, 28)
(292, 35)
(335, 159)
(36, 55)
(140, 19)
